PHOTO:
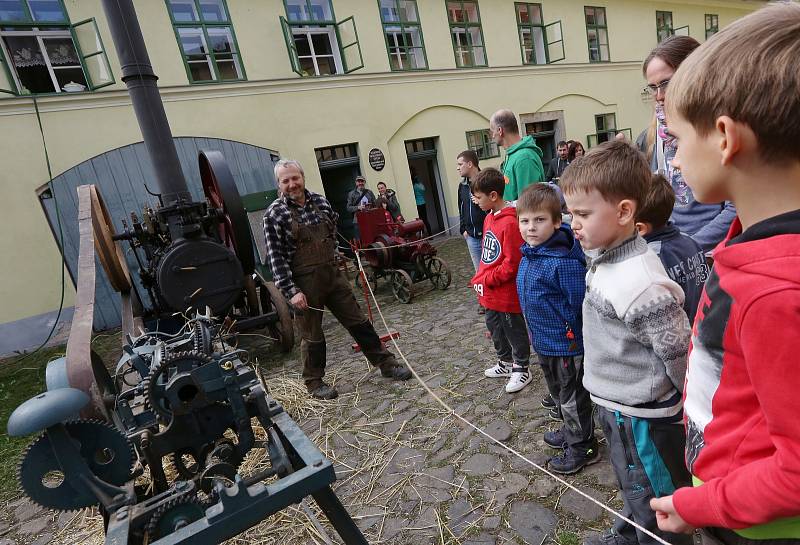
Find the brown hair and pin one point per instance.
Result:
(488, 180)
(615, 169)
(573, 149)
(749, 72)
(539, 197)
(469, 155)
(506, 120)
(380, 201)
(658, 203)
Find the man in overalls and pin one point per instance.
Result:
(300, 231)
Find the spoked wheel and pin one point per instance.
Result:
(220, 190)
(371, 277)
(283, 329)
(401, 286)
(438, 273)
(109, 253)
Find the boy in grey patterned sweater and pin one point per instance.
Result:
(636, 337)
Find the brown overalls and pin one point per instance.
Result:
(315, 273)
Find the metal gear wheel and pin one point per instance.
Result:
(174, 514)
(107, 452)
(155, 383)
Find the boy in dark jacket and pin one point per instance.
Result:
(682, 257)
(551, 282)
(470, 215)
(495, 281)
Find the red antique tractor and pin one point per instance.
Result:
(397, 251)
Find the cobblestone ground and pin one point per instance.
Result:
(407, 471)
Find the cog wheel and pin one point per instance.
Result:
(174, 514)
(190, 461)
(107, 452)
(155, 383)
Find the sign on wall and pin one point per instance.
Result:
(376, 159)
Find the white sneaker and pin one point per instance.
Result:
(518, 380)
(502, 369)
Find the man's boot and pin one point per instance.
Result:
(314, 355)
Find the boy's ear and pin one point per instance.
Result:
(643, 228)
(493, 196)
(625, 211)
(731, 138)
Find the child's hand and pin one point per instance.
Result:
(668, 518)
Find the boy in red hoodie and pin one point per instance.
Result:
(733, 107)
(496, 281)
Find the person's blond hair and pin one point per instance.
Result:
(615, 169)
(749, 72)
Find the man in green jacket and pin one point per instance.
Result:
(523, 164)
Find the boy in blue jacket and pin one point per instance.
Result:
(551, 282)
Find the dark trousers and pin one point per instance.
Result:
(422, 212)
(510, 337)
(327, 287)
(564, 378)
(647, 457)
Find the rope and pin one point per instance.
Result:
(521, 456)
(409, 243)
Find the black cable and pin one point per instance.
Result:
(60, 235)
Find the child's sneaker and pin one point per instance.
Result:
(547, 402)
(572, 460)
(555, 414)
(520, 377)
(555, 439)
(502, 369)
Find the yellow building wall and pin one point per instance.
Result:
(278, 110)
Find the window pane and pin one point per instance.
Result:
(302, 44)
(525, 37)
(213, 11)
(321, 10)
(590, 19)
(536, 14)
(47, 10)
(327, 66)
(479, 55)
(297, 10)
(192, 41)
(228, 69)
(600, 16)
(183, 11)
(322, 44)
(522, 13)
(307, 66)
(29, 64)
(389, 11)
(602, 36)
(12, 10)
(471, 12)
(463, 58)
(475, 35)
(61, 52)
(396, 60)
(200, 71)
(413, 36)
(221, 40)
(408, 11)
(71, 75)
(455, 13)
(416, 58)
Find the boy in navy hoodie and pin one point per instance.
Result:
(551, 282)
(495, 281)
(682, 257)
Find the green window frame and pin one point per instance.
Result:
(42, 53)
(597, 34)
(206, 40)
(402, 33)
(539, 43)
(712, 24)
(481, 143)
(664, 28)
(316, 43)
(466, 33)
(606, 129)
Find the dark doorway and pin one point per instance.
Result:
(544, 133)
(422, 162)
(338, 167)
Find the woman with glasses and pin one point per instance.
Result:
(707, 224)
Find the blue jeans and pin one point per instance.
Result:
(474, 246)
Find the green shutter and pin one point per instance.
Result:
(554, 38)
(89, 45)
(351, 51)
(294, 59)
(7, 84)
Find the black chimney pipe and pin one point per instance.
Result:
(138, 75)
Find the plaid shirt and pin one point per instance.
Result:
(279, 238)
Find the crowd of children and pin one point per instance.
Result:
(608, 303)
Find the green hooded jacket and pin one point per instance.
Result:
(522, 167)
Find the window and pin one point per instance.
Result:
(41, 52)
(482, 144)
(606, 126)
(317, 44)
(337, 153)
(467, 34)
(539, 43)
(712, 24)
(403, 34)
(207, 41)
(597, 34)
(664, 25)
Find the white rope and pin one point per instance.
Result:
(492, 439)
(409, 243)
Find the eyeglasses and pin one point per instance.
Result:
(653, 89)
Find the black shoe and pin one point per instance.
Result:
(572, 460)
(608, 537)
(555, 439)
(323, 391)
(395, 371)
(547, 402)
(555, 414)
(481, 310)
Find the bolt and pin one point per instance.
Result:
(227, 366)
(318, 463)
